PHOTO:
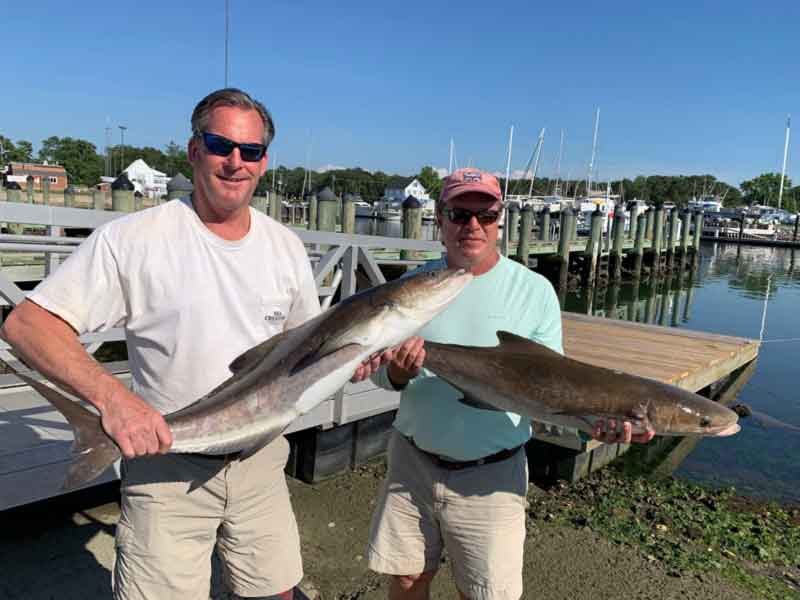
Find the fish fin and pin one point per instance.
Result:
(468, 400)
(93, 450)
(250, 358)
(328, 361)
(511, 341)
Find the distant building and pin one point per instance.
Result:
(21, 172)
(412, 188)
(146, 180)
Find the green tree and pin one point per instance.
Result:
(78, 157)
(22, 151)
(764, 189)
(431, 181)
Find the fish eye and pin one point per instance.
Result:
(705, 421)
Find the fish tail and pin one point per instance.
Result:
(93, 450)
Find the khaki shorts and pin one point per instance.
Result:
(177, 508)
(477, 513)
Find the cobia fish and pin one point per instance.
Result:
(278, 380)
(529, 379)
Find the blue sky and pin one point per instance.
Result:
(683, 87)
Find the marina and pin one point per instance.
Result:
(352, 426)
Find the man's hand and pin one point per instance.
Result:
(135, 426)
(404, 362)
(611, 431)
(372, 364)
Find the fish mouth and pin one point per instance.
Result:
(726, 431)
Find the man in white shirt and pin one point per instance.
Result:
(194, 282)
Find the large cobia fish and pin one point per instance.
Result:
(278, 380)
(529, 379)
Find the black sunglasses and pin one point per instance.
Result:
(222, 146)
(462, 216)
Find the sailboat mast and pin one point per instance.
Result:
(539, 145)
(785, 153)
(504, 242)
(556, 190)
(450, 165)
(594, 150)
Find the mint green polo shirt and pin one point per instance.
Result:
(508, 297)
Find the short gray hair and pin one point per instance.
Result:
(230, 97)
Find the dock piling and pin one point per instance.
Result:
(525, 232)
(412, 225)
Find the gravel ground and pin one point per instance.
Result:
(63, 549)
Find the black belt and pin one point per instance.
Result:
(222, 459)
(457, 465)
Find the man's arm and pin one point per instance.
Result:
(51, 346)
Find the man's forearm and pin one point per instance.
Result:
(51, 346)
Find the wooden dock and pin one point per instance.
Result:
(35, 440)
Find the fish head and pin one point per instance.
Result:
(692, 414)
(410, 302)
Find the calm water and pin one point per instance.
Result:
(727, 296)
(391, 228)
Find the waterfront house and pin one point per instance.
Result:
(22, 172)
(146, 180)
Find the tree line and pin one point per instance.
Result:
(85, 166)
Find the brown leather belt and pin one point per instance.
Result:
(457, 465)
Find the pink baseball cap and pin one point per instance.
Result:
(462, 181)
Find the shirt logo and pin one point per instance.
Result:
(276, 316)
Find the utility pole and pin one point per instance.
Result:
(226, 43)
(122, 129)
(108, 150)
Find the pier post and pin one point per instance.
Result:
(525, 232)
(634, 222)
(327, 206)
(796, 223)
(348, 214)
(513, 222)
(650, 214)
(593, 248)
(638, 245)
(673, 238)
(686, 220)
(122, 194)
(29, 189)
(544, 232)
(311, 198)
(178, 187)
(69, 197)
(98, 199)
(565, 230)
(619, 239)
(412, 225)
(45, 190)
(275, 206)
(698, 232)
(658, 238)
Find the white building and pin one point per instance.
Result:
(146, 180)
(414, 188)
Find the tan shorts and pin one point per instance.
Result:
(477, 513)
(177, 508)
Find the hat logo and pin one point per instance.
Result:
(472, 177)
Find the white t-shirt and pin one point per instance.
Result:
(190, 301)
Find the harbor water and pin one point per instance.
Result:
(735, 289)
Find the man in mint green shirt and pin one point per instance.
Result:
(457, 476)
